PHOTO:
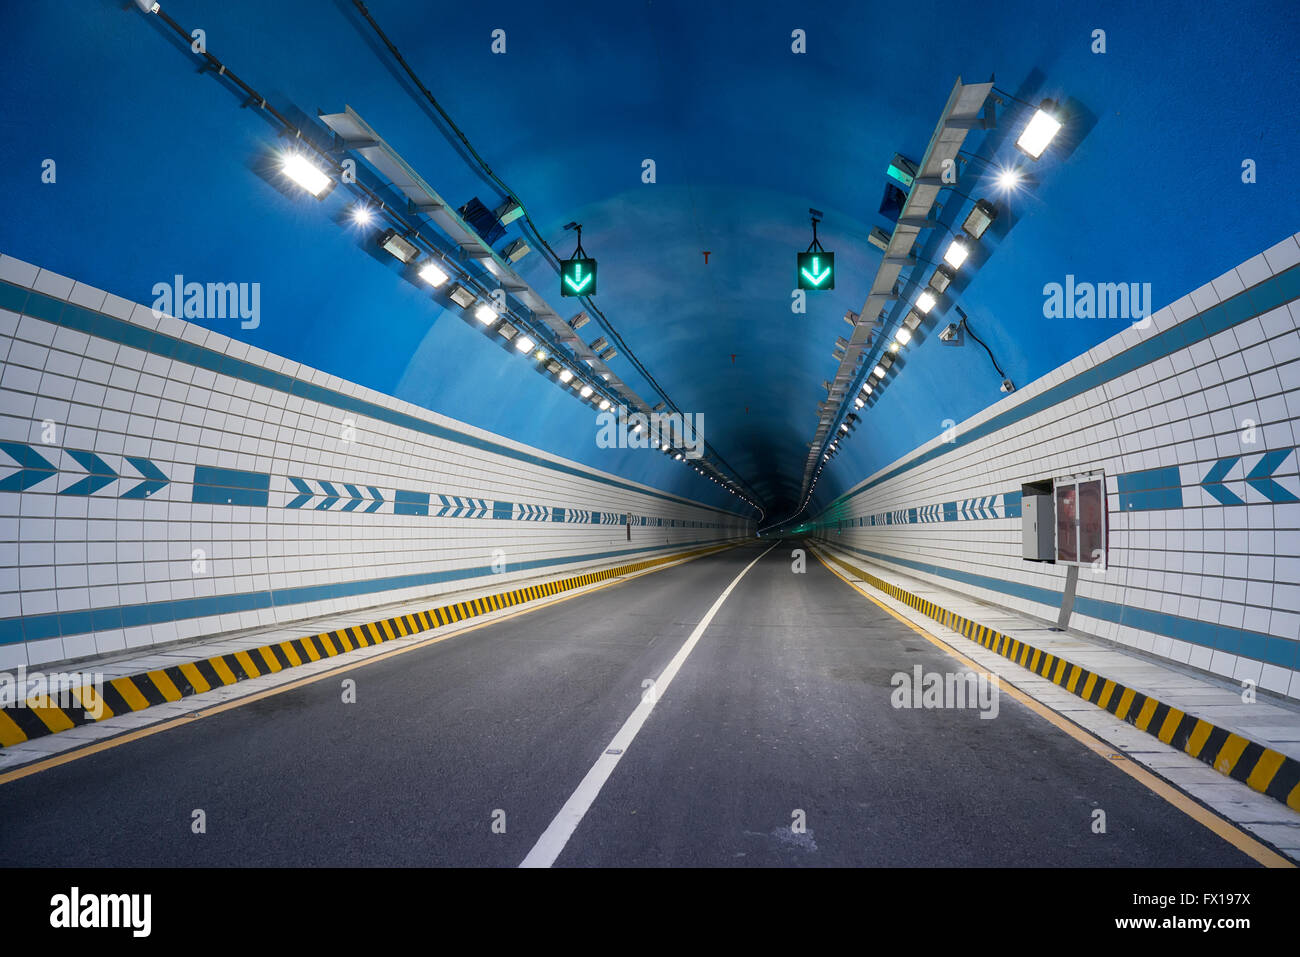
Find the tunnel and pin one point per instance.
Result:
(670, 435)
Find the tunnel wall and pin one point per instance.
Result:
(1194, 421)
(162, 481)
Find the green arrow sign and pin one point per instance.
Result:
(577, 277)
(816, 270)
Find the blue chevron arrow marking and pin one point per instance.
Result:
(153, 478)
(355, 500)
(34, 467)
(379, 499)
(1260, 477)
(331, 495)
(1213, 481)
(100, 474)
(302, 499)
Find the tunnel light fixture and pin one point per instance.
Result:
(925, 302)
(956, 254)
(903, 336)
(485, 313)
(858, 403)
(524, 343)
(940, 280)
(585, 391)
(541, 355)
(978, 219)
(306, 174)
(1040, 130)
(604, 405)
(431, 274)
(1008, 180)
(678, 456)
(398, 246)
(460, 295)
(507, 330)
(363, 215)
(878, 372)
(565, 375)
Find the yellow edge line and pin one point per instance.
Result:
(68, 757)
(1202, 815)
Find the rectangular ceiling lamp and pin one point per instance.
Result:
(306, 174)
(925, 301)
(1039, 131)
(956, 254)
(431, 274)
(507, 330)
(460, 295)
(940, 280)
(523, 343)
(485, 313)
(979, 218)
(397, 246)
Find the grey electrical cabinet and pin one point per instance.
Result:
(1038, 527)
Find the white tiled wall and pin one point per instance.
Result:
(67, 553)
(1237, 566)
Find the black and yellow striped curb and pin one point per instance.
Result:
(43, 715)
(1262, 769)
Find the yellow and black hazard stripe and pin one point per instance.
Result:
(43, 715)
(1262, 769)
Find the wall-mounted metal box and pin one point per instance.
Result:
(1038, 526)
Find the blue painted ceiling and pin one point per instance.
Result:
(155, 176)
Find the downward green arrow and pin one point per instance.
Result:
(577, 274)
(820, 277)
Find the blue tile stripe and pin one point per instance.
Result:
(218, 486)
(50, 309)
(1150, 489)
(410, 503)
(1270, 649)
(1257, 300)
(56, 624)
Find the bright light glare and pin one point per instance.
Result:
(362, 216)
(604, 404)
(299, 169)
(1008, 179)
(1039, 132)
(903, 335)
(484, 313)
(523, 343)
(431, 274)
(956, 254)
(565, 375)
(586, 391)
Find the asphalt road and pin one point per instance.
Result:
(780, 715)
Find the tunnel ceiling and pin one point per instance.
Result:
(156, 176)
